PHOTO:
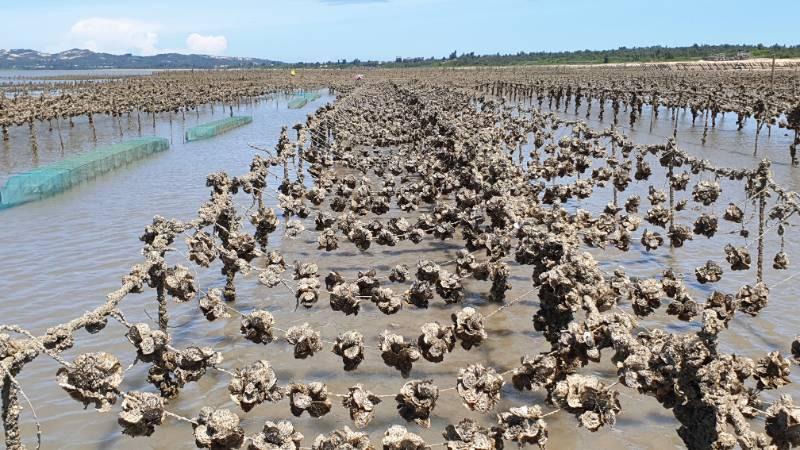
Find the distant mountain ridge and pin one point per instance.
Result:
(87, 59)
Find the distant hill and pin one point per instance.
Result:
(86, 59)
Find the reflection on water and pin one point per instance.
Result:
(63, 254)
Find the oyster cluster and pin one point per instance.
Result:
(588, 398)
(436, 341)
(479, 387)
(306, 341)
(398, 353)
(397, 437)
(311, 398)
(361, 404)
(350, 347)
(254, 384)
(257, 326)
(468, 435)
(276, 436)
(416, 401)
(92, 378)
(218, 429)
(523, 425)
(141, 413)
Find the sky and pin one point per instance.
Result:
(329, 30)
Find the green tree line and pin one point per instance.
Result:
(654, 53)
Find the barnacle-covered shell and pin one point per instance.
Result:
(523, 425)
(350, 346)
(192, 363)
(588, 398)
(397, 353)
(312, 397)
(706, 225)
(416, 401)
(179, 283)
(293, 228)
(436, 341)
(95, 322)
(271, 275)
(361, 404)
(386, 300)
(679, 234)
(327, 240)
(711, 272)
(733, 213)
(706, 192)
(306, 341)
(469, 327)
(718, 311)
(683, 306)
(796, 349)
(149, 343)
(465, 262)
(257, 326)
(646, 296)
(333, 279)
(345, 298)
(772, 371)
(781, 261)
(651, 240)
(658, 216)
(632, 204)
(141, 413)
(254, 384)
(201, 248)
(419, 294)
(344, 438)
(783, 422)
(737, 257)
(428, 270)
(399, 273)
(752, 299)
(360, 236)
(536, 372)
(397, 437)
(92, 378)
(218, 429)
(449, 287)
(276, 436)
(479, 387)
(468, 435)
(212, 305)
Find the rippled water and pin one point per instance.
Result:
(60, 256)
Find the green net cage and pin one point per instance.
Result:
(301, 99)
(211, 129)
(50, 180)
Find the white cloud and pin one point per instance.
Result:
(121, 35)
(206, 45)
(102, 34)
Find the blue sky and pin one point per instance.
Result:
(322, 30)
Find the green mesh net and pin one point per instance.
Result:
(211, 129)
(50, 180)
(300, 100)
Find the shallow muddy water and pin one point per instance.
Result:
(62, 255)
